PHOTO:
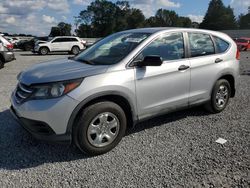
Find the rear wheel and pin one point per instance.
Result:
(220, 96)
(43, 51)
(100, 128)
(75, 50)
(1, 63)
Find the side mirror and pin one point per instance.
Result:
(149, 61)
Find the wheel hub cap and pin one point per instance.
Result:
(221, 96)
(103, 129)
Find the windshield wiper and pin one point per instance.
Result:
(81, 60)
(84, 61)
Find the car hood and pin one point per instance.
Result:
(59, 70)
(41, 42)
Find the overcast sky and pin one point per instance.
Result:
(38, 16)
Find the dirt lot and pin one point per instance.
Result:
(175, 150)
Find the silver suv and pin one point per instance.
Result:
(125, 78)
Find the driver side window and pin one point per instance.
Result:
(168, 47)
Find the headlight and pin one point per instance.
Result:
(54, 90)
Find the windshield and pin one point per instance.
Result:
(111, 49)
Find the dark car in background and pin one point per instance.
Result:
(29, 45)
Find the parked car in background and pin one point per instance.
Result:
(243, 43)
(13, 40)
(90, 41)
(28, 45)
(127, 77)
(10, 39)
(6, 51)
(70, 44)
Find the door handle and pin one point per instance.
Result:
(218, 60)
(183, 67)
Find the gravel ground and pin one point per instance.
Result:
(175, 150)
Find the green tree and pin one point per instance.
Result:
(135, 19)
(62, 29)
(85, 31)
(104, 17)
(121, 15)
(65, 29)
(55, 31)
(167, 18)
(218, 17)
(184, 22)
(244, 21)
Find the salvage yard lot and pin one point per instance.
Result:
(173, 150)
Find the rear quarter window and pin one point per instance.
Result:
(221, 44)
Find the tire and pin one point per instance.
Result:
(27, 48)
(89, 126)
(75, 50)
(219, 97)
(1, 63)
(43, 51)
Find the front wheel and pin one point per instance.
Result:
(100, 128)
(43, 51)
(220, 96)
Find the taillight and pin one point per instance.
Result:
(238, 54)
(10, 46)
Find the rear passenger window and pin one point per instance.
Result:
(66, 39)
(200, 44)
(74, 39)
(221, 45)
(58, 40)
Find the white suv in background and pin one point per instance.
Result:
(61, 44)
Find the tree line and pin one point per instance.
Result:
(103, 17)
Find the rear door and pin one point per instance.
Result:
(73, 42)
(59, 44)
(206, 65)
(160, 89)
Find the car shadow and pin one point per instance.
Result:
(245, 72)
(167, 118)
(45, 55)
(19, 150)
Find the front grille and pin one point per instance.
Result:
(22, 92)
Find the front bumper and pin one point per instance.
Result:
(40, 130)
(35, 49)
(45, 119)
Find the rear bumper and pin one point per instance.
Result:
(40, 130)
(8, 56)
